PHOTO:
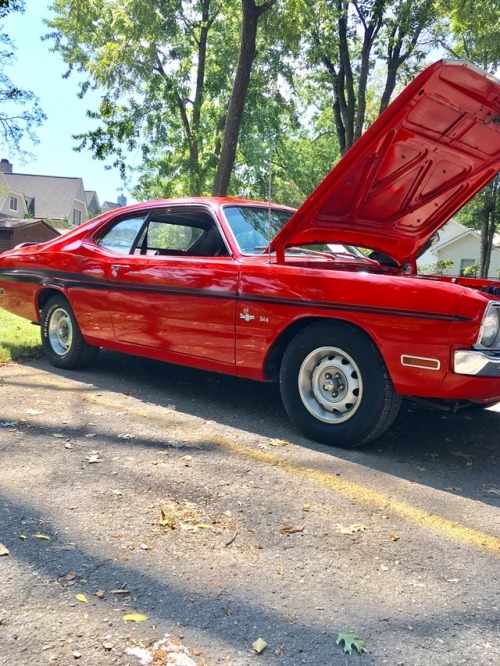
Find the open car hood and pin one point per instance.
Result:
(426, 155)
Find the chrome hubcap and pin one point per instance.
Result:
(330, 384)
(60, 332)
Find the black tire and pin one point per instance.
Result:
(62, 340)
(336, 387)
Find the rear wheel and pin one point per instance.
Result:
(62, 339)
(335, 385)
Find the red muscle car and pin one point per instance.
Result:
(347, 333)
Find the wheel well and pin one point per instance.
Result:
(275, 355)
(45, 295)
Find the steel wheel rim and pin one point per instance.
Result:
(330, 385)
(60, 332)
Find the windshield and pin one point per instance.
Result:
(253, 227)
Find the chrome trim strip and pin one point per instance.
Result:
(475, 362)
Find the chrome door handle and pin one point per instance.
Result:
(115, 269)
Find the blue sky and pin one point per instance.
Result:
(39, 70)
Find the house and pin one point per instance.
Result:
(14, 231)
(110, 205)
(54, 198)
(462, 246)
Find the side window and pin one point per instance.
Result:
(120, 238)
(163, 237)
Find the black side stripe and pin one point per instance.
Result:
(61, 279)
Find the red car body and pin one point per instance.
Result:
(187, 281)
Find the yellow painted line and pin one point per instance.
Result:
(442, 526)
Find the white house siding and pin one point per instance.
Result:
(467, 245)
(468, 248)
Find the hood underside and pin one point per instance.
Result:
(425, 157)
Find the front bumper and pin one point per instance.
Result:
(477, 362)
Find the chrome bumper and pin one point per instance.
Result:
(476, 362)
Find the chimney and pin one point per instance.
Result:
(121, 201)
(5, 166)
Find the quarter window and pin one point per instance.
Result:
(122, 235)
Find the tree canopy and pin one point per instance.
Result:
(20, 113)
(473, 34)
(208, 96)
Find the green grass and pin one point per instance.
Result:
(19, 338)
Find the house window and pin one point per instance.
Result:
(13, 204)
(464, 264)
(77, 217)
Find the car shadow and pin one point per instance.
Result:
(455, 452)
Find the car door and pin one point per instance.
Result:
(170, 291)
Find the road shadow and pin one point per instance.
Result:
(453, 452)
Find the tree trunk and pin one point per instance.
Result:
(251, 15)
(488, 225)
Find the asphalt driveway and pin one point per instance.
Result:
(188, 501)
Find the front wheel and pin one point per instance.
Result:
(335, 386)
(62, 340)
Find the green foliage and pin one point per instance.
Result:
(20, 113)
(166, 70)
(441, 267)
(322, 71)
(345, 42)
(473, 29)
(350, 641)
(19, 339)
(472, 270)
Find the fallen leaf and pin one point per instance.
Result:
(351, 640)
(100, 594)
(292, 529)
(166, 520)
(277, 442)
(466, 456)
(134, 617)
(350, 529)
(82, 598)
(259, 645)
(57, 435)
(306, 507)
(4, 550)
(93, 457)
(42, 536)
(394, 537)
(204, 526)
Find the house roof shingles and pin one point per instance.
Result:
(53, 195)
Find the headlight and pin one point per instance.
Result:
(490, 325)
